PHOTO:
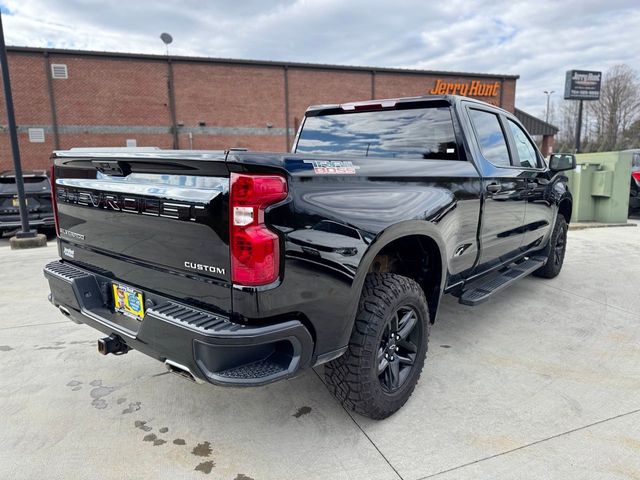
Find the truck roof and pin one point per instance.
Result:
(389, 103)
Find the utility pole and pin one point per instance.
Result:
(548, 93)
(25, 238)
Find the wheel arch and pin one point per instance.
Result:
(565, 207)
(397, 238)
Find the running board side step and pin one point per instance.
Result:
(482, 292)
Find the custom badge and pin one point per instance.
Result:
(333, 167)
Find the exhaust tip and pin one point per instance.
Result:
(65, 311)
(182, 371)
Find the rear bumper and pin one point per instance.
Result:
(35, 220)
(208, 346)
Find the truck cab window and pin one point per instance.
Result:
(526, 151)
(411, 133)
(490, 137)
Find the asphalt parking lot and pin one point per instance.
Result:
(542, 381)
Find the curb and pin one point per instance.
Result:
(585, 225)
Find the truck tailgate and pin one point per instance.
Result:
(149, 222)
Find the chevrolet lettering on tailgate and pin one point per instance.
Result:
(130, 203)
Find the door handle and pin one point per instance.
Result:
(494, 187)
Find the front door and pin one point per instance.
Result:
(539, 209)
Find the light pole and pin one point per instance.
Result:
(167, 39)
(25, 237)
(548, 93)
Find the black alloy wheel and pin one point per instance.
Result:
(398, 349)
(561, 245)
(554, 251)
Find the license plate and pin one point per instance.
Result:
(128, 301)
(15, 202)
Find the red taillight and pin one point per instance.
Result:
(636, 175)
(54, 200)
(255, 250)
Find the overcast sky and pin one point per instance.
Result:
(537, 39)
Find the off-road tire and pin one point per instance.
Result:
(555, 250)
(353, 378)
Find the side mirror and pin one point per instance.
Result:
(562, 161)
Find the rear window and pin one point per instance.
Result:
(413, 133)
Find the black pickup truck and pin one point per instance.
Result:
(242, 268)
(37, 196)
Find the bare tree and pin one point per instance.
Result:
(618, 107)
(631, 136)
(566, 122)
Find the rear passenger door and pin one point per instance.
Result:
(504, 189)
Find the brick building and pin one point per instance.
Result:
(66, 98)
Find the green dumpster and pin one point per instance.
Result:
(600, 187)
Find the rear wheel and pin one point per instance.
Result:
(387, 350)
(555, 250)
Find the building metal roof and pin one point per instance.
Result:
(262, 63)
(534, 125)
